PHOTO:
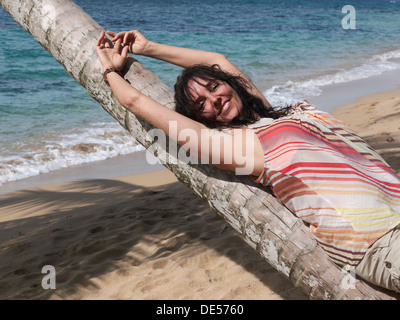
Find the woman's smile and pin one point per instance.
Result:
(225, 107)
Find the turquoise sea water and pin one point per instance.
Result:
(290, 49)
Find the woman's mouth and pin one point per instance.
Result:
(225, 107)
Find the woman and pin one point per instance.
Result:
(315, 165)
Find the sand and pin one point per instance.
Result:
(142, 236)
(146, 236)
(376, 118)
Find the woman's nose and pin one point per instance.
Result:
(215, 100)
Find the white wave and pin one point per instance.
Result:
(100, 141)
(292, 91)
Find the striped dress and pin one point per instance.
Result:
(330, 178)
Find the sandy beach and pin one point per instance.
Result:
(376, 118)
(143, 236)
(146, 236)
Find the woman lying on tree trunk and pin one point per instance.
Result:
(314, 164)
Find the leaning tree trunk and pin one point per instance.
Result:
(69, 34)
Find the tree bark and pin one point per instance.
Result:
(70, 35)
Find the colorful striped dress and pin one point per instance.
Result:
(330, 178)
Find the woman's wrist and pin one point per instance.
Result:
(148, 49)
(108, 66)
(109, 70)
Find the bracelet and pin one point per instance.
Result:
(105, 73)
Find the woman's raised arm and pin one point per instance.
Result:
(183, 57)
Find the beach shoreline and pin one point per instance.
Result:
(121, 232)
(342, 95)
(124, 165)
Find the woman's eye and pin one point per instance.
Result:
(215, 86)
(201, 105)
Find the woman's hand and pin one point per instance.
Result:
(134, 40)
(111, 56)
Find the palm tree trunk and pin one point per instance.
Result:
(69, 34)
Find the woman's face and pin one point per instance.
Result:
(216, 100)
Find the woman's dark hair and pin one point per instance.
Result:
(252, 105)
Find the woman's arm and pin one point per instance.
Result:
(138, 44)
(183, 57)
(233, 150)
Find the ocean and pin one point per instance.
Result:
(290, 49)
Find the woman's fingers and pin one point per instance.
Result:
(117, 44)
(121, 49)
(100, 41)
(112, 34)
(103, 42)
(127, 39)
(116, 36)
(125, 51)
